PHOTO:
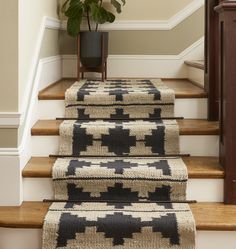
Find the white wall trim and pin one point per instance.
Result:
(10, 120)
(13, 160)
(52, 23)
(150, 24)
(165, 66)
(15, 119)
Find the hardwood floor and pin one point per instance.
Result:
(182, 87)
(208, 216)
(198, 167)
(187, 127)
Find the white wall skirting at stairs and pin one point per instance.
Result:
(163, 66)
(48, 70)
(12, 160)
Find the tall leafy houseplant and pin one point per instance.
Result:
(93, 48)
(92, 10)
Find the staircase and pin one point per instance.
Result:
(196, 72)
(216, 222)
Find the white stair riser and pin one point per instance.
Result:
(196, 75)
(32, 239)
(194, 145)
(191, 108)
(202, 190)
(187, 108)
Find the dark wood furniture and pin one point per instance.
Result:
(212, 58)
(227, 76)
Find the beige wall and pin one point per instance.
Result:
(19, 42)
(9, 56)
(148, 9)
(50, 44)
(149, 42)
(31, 13)
(8, 138)
(151, 9)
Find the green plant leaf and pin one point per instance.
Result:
(117, 5)
(101, 15)
(124, 2)
(73, 26)
(64, 6)
(110, 17)
(75, 9)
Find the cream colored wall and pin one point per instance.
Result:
(50, 44)
(19, 50)
(159, 42)
(31, 13)
(9, 56)
(151, 9)
(8, 138)
(148, 9)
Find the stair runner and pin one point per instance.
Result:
(119, 182)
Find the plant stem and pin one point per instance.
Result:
(97, 23)
(88, 19)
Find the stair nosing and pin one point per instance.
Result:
(54, 131)
(49, 96)
(24, 219)
(28, 172)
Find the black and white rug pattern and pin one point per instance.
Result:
(119, 99)
(104, 225)
(119, 179)
(119, 138)
(119, 182)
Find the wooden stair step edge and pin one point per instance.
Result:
(183, 89)
(196, 64)
(187, 127)
(208, 216)
(198, 167)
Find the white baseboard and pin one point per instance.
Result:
(10, 119)
(13, 160)
(162, 66)
(51, 68)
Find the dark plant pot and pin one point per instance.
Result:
(91, 48)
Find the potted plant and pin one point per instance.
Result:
(95, 12)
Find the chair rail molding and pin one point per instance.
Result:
(10, 120)
(150, 24)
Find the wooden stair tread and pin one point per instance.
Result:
(196, 63)
(187, 127)
(198, 167)
(182, 87)
(208, 216)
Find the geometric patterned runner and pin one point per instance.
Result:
(127, 179)
(119, 99)
(119, 138)
(120, 181)
(104, 225)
